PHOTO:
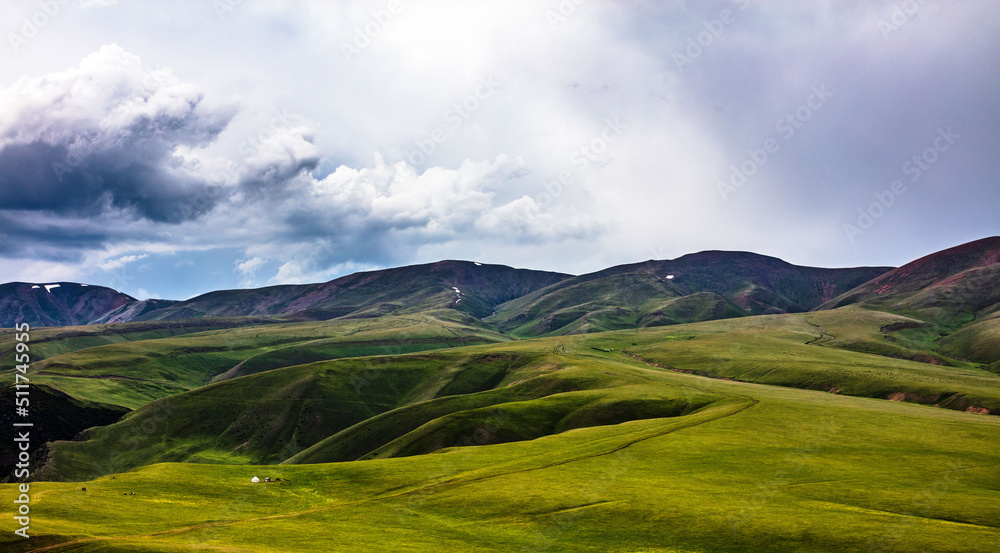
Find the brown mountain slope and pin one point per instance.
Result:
(57, 303)
(952, 287)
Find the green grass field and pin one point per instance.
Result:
(766, 469)
(770, 434)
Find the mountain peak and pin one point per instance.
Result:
(57, 303)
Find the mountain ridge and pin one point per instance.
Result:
(701, 286)
(951, 287)
(706, 285)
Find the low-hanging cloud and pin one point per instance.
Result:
(383, 213)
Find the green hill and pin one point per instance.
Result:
(54, 416)
(133, 373)
(697, 287)
(387, 406)
(759, 468)
(51, 341)
(409, 423)
(374, 407)
(978, 342)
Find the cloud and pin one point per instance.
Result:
(381, 214)
(250, 266)
(118, 263)
(99, 139)
(53, 238)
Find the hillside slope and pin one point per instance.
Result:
(473, 288)
(386, 406)
(767, 470)
(134, 372)
(57, 303)
(952, 287)
(703, 286)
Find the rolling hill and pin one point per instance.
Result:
(468, 287)
(577, 447)
(155, 364)
(703, 286)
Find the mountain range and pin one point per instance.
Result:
(703, 286)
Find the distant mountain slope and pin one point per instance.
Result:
(696, 287)
(951, 287)
(132, 311)
(57, 304)
(470, 287)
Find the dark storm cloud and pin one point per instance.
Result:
(102, 138)
(27, 235)
(36, 177)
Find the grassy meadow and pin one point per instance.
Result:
(845, 430)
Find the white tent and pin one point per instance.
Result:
(255, 479)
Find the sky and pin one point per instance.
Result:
(167, 149)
